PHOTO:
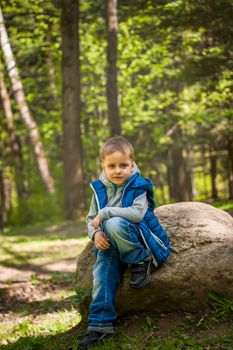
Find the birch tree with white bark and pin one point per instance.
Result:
(25, 113)
(14, 140)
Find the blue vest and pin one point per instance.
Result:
(153, 234)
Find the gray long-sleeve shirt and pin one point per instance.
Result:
(134, 213)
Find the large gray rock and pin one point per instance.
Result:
(201, 260)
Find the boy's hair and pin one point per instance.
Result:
(117, 143)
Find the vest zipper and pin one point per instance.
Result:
(159, 241)
(124, 191)
(145, 242)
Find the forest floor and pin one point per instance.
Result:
(39, 308)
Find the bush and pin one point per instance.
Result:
(37, 207)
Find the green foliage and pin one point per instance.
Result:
(37, 208)
(223, 205)
(174, 68)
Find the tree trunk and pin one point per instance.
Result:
(8, 187)
(73, 170)
(189, 174)
(2, 202)
(170, 181)
(179, 190)
(112, 90)
(14, 140)
(23, 108)
(213, 173)
(204, 171)
(5, 192)
(230, 166)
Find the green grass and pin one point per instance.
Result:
(224, 205)
(40, 245)
(42, 313)
(47, 228)
(42, 307)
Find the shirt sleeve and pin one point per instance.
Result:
(134, 213)
(93, 211)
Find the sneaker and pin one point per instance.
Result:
(140, 273)
(93, 338)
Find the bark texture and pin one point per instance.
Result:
(213, 173)
(73, 171)
(180, 184)
(24, 109)
(230, 165)
(2, 201)
(112, 89)
(14, 140)
(201, 260)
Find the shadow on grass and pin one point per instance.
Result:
(21, 306)
(62, 341)
(36, 269)
(60, 231)
(28, 297)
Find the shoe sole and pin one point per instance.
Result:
(99, 342)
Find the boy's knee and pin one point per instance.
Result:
(115, 225)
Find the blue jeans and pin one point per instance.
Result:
(126, 248)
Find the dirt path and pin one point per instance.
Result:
(31, 287)
(37, 270)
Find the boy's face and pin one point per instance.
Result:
(118, 167)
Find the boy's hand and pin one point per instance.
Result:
(96, 222)
(101, 241)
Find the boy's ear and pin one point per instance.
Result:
(102, 165)
(132, 169)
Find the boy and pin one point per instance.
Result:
(125, 231)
